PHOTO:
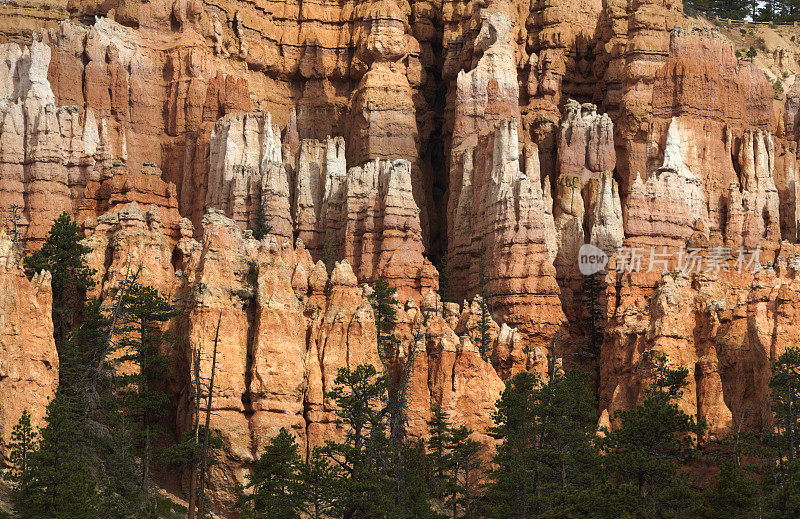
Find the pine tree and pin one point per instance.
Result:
(22, 445)
(769, 11)
(592, 286)
(13, 220)
(142, 370)
(782, 482)
(546, 455)
(464, 478)
(262, 226)
(63, 255)
(444, 278)
(734, 496)
(383, 303)
(484, 321)
(653, 440)
(785, 390)
(363, 459)
(59, 482)
(697, 6)
(416, 477)
(119, 483)
(276, 481)
(318, 479)
(438, 428)
(733, 9)
(514, 488)
(82, 356)
(330, 252)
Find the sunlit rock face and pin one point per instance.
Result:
(28, 357)
(366, 140)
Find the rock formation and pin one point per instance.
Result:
(371, 139)
(28, 358)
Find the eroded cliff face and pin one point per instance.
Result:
(504, 134)
(28, 358)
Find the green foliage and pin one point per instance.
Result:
(415, 477)
(734, 496)
(364, 485)
(444, 278)
(22, 446)
(547, 454)
(464, 477)
(81, 357)
(262, 225)
(592, 291)
(58, 482)
(438, 431)
(654, 438)
(330, 252)
(484, 320)
(383, 300)
(751, 52)
(142, 370)
(777, 86)
(319, 485)
(189, 450)
(63, 256)
(277, 490)
(733, 9)
(782, 483)
(13, 220)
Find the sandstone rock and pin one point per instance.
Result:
(28, 357)
(586, 144)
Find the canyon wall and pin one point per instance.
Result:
(263, 163)
(28, 358)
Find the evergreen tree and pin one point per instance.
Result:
(58, 482)
(22, 445)
(785, 390)
(262, 226)
(697, 6)
(364, 485)
(782, 481)
(142, 370)
(384, 303)
(119, 483)
(444, 278)
(769, 10)
(416, 477)
(734, 496)
(592, 291)
(654, 438)
(63, 255)
(82, 356)
(464, 479)
(438, 428)
(276, 481)
(547, 452)
(330, 252)
(484, 320)
(733, 9)
(752, 9)
(13, 221)
(318, 478)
